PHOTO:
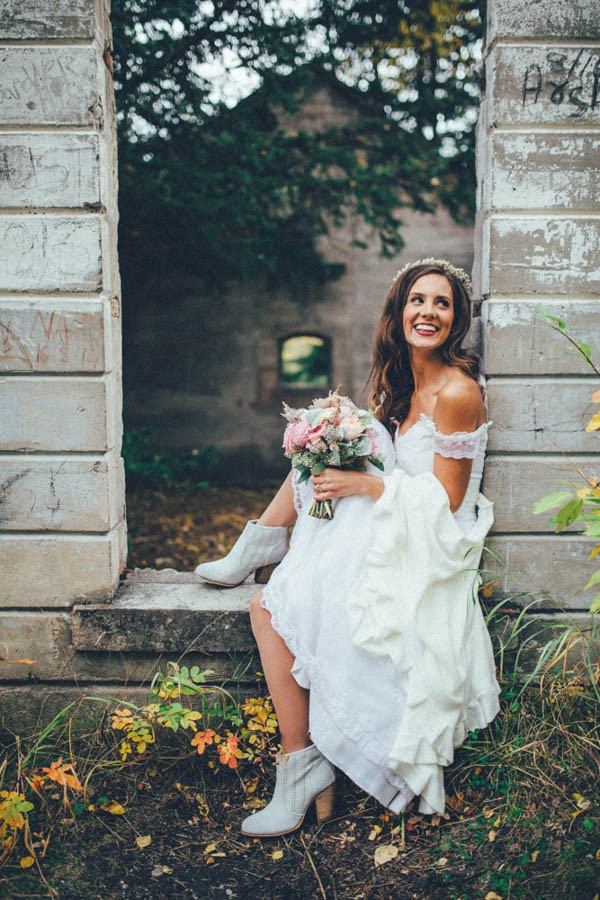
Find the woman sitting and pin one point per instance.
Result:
(371, 638)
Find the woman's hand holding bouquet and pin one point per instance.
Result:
(331, 432)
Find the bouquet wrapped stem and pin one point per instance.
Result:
(334, 432)
(320, 509)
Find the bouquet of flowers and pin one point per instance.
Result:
(332, 431)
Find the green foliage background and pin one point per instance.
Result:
(222, 192)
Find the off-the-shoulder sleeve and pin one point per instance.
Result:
(460, 445)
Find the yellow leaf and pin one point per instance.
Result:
(534, 855)
(598, 854)
(487, 813)
(278, 854)
(442, 861)
(594, 423)
(143, 841)
(492, 895)
(210, 848)
(492, 835)
(114, 808)
(384, 854)
(376, 829)
(581, 802)
(26, 862)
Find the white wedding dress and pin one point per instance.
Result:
(357, 700)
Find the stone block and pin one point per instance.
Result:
(54, 414)
(543, 85)
(38, 646)
(553, 568)
(50, 253)
(543, 255)
(515, 483)
(39, 334)
(544, 171)
(546, 416)
(49, 170)
(59, 569)
(60, 493)
(49, 85)
(566, 19)
(46, 19)
(519, 342)
(167, 617)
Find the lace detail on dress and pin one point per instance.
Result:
(459, 445)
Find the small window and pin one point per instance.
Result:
(305, 361)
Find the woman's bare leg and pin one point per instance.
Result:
(281, 509)
(289, 699)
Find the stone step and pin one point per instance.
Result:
(167, 611)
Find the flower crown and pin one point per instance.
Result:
(457, 272)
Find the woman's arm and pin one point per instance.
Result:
(459, 407)
(334, 483)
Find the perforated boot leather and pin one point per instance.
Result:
(257, 546)
(301, 777)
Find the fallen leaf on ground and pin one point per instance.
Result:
(143, 841)
(114, 808)
(278, 854)
(384, 854)
(159, 870)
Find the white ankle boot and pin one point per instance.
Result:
(301, 777)
(256, 547)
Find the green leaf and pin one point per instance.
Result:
(567, 515)
(593, 530)
(377, 463)
(318, 467)
(304, 474)
(595, 579)
(595, 606)
(553, 321)
(581, 350)
(551, 501)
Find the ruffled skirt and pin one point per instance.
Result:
(356, 700)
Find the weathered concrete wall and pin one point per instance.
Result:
(537, 241)
(202, 377)
(61, 477)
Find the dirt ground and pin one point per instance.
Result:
(179, 528)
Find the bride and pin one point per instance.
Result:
(371, 638)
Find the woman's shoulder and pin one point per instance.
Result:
(459, 405)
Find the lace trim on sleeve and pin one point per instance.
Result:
(460, 445)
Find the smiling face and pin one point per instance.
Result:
(428, 313)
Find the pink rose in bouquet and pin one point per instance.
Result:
(332, 431)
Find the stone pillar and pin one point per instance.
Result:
(62, 518)
(538, 235)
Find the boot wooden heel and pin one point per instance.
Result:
(324, 804)
(263, 573)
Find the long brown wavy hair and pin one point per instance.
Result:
(391, 377)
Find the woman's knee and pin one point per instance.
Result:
(258, 614)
